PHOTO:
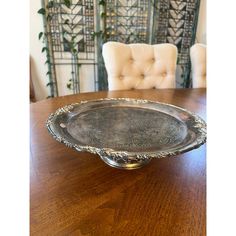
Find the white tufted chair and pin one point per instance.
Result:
(140, 66)
(198, 61)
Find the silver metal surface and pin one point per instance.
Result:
(127, 133)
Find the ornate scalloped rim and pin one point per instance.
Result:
(200, 126)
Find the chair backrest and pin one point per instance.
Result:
(198, 63)
(140, 66)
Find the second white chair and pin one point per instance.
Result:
(140, 66)
(198, 63)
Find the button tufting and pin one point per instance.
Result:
(137, 71)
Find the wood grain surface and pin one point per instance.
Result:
(76, 193)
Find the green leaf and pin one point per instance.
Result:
(40, 35)
(68, 85)
(48, 73)
(102, 14)
(47, 62)
(64, 35)
(66, 22)
(44, 49)
(67, 3)
(49, 17)
(74, 51)
(102, 2)
(42, 11)
(177, 60)
(93, 36)
(104, 35)
(49, 84)
(50, 4)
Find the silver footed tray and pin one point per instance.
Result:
(127, 133)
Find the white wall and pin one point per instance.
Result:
(39, 69)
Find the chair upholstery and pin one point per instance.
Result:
(198, 62)
(140, 66)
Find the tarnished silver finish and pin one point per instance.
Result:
(127, 133)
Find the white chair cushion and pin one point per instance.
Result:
(140, 66)
(198, 62)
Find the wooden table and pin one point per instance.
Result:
(76, 193)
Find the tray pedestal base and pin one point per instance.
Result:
(126, 163)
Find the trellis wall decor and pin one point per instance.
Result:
(127, 21)
(176, 23)
(76, 29)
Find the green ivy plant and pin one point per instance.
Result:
(42, 36)
(44, 11)
(74, 52)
